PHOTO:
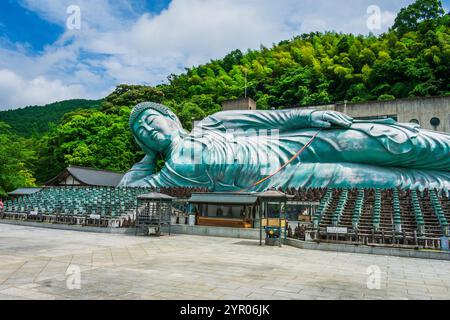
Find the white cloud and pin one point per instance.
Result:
(119, 44)
(98, 14)
(193, 32)
(15, 90)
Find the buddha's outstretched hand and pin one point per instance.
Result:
(326, 119)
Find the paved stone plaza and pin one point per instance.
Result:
(34, 261)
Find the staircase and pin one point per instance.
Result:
(445, 202)
(324, 203)
(436, 204)
(410, 228)
(432, 225)
(386, 214)
(330, 210)
(357, 210)
(347, 214)
(365, 224)
(336, 216)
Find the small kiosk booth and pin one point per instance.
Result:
(265, 211)
(272, 217)
(153, 211)
(220, 209)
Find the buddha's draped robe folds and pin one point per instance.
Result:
(232, 150)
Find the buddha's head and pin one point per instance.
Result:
(154, 126)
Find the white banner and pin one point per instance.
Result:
(337, 229)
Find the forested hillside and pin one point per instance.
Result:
(36, 119)
(411, 60)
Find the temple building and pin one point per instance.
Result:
(81, 176)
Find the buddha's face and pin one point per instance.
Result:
(154, 130)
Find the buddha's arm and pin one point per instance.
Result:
(140, 170)
(283, 120)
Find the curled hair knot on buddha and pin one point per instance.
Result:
(141, 107)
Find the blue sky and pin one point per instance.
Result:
(43, 60)
(35, 31)
(22, 25)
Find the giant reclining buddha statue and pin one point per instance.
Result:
(256, 150)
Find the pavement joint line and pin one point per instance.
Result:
(42, 269)
(71, 259)
(111, 254)
(12, 273)
(129, 253)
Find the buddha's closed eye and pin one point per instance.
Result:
(149, 120)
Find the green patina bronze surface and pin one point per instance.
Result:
(231, 150)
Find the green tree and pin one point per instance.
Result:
(16, 157)
(189, 112)
(35, 120)
(409, 18)
(96, 140)
(130, 95)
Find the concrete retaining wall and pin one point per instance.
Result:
(397, 252)
(177, 229)
(69, 227)
(214, 231)
(420, 109)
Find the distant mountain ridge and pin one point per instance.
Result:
(36, 119)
